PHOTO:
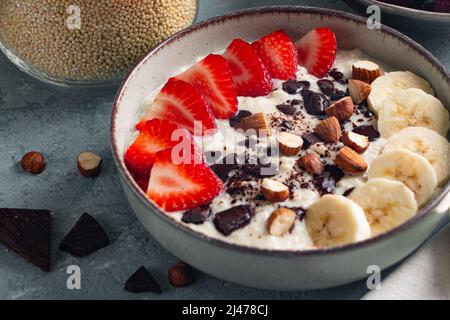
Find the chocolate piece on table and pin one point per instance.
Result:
(28, 233)
(228, 221)
(86, 237)
(142, 281)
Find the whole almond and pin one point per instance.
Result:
(366, 71)
(256, 124)
(342, 109)
(33, 162)
(281, 221)
(359, 90)
(290, 144)
(311, 163)
(329, 130)
(274, 191)
(355, 141)
(350, 161)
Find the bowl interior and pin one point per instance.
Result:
(214, 35)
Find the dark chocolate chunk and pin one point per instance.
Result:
(315, 103)
(28, 233)
(142, 281)
(334, 171)
(223, 167)
(326, 86)
(299, 211)
(211, 157)
(338, 95)
(337, 76)
(348, 192)
(260, 170)
(86, 237)
(324, 184)
(294, 87)
(296, 102)
(286, 124)
(309, 139)
(368, 131)
(287, 109)
(197, 215)
(228, 221)
(238, 116)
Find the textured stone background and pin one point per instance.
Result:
(61, 123)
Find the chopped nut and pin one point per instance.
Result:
(329, 130)
(366, 71)
(89, 164)
(181, 275)
(274, 191)
(355, 141)
(290, 144)
(350, 161)
(359, 90)
(33, 162)
(342, 109)
(311, 163)
(281, 221)
(255, 124)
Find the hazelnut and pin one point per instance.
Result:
(89, 164)
(181, 275)
(33, 162)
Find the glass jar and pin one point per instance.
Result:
(87, 42)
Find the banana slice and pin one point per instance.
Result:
(407, 167)
(386, 203)
(384, 87)
(412, 108)
(429, 144)
(335, 220)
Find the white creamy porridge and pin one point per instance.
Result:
(255, 234)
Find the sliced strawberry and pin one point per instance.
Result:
(177, 186)
(212, 77)
(155, 135)
(317, 51)
(180, 103)
(278, 53)
(250, 76)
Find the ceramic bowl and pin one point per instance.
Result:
(407, 19)
(273, 269)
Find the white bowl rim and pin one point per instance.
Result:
(153, 209)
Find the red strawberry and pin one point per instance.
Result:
(180, 103)
(249, 74)
(155, 135)
(317, 51)
(212, 77)
(278, 53)
(181, 186)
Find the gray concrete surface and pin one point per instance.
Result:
(62, 122)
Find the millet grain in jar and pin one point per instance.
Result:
(113, 36)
